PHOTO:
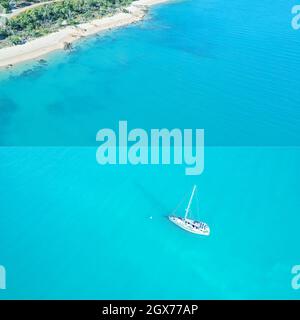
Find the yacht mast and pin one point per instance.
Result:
(190, 202)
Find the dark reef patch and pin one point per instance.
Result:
(7, 108)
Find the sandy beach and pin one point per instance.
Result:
(56, 41)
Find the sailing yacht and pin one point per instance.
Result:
(190, 225)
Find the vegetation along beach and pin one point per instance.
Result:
(29, 30)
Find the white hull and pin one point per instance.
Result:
(192, 226)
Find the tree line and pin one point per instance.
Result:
(50, 17)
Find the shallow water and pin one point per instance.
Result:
(73, 229)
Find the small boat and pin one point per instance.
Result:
(190, 225)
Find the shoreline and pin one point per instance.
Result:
(39, 47)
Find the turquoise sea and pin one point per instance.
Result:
(72, 229)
